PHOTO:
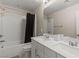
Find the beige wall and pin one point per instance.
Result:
(65, 21)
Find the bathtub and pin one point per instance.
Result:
(8, 51)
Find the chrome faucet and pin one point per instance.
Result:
(73, 43)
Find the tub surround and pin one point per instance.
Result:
(60, 47)
(18, 50)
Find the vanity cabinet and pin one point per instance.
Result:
(40, 51)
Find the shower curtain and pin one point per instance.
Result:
(29, 27)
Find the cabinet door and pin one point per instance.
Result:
(37, 50)
(49, 53)
(60, 56)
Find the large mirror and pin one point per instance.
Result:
(62, 17)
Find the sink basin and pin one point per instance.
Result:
(48, 41)
(73, 52)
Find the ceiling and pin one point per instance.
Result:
(58, 5)
(30, 5)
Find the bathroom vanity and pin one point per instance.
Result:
(49, 48)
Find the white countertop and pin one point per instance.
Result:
(60, 47)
